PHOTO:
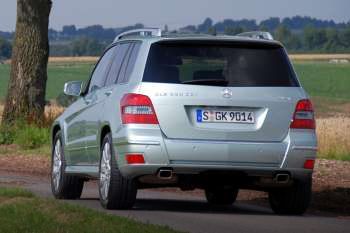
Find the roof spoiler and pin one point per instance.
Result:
(157, 32)
(143, 32)
(257, 35)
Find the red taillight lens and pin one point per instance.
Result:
(309, 164)
(303, 116)
(135, 159)
(137, 109)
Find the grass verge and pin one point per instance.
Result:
(26, 136)
(20, 211)
(7, 193)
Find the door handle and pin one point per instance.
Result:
(108, 93)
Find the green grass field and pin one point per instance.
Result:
(58, 74)
(21, 211)
(320, 79)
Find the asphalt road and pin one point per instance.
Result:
(191, 213)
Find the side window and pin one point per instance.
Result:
(99, 75)
(121, 51)
(131, 63)
(124, 65)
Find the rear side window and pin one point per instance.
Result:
(220, 65)
(131, 63)
(121, 51)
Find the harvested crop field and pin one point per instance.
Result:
(319, 57)
(295, 57)
(73, 59)
(334, 137)
(51, 112)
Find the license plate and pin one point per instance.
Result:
(218, 116)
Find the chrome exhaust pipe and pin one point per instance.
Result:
(165, 174)
(282, 178)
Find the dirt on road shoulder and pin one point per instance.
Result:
(12, 161)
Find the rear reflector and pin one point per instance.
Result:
(134, 159)
(303, 116)
(137, 109)
(309, 164)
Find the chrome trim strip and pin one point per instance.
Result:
(81, 148)
(225, 163)
(75, 149)
(136, 142)
(313, 148)
(220, 141)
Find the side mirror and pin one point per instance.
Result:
(73, 88)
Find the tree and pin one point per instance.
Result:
(212, 31)
(333, 42)
(314, 39)
(205, 26)
(166, 28)
(345, 37)
(5, 49)
(26, 90)
(270, 24)
(69, 30)
(87, 47)
(233, 30)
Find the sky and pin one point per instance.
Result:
(176, 13)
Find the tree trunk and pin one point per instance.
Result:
(26, 90)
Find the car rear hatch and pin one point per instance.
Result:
(227, 92)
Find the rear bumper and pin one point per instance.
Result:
(196, 157)
(133, 171)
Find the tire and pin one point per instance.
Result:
(116, 191)
(292, 201)
(221, 195)
(67, 186)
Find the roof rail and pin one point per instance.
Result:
(140, 32)
(257, 35)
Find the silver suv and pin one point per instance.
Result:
(219, 113)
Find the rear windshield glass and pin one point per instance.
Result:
(219, 65)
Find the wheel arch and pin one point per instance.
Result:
(55, 128)
(104, 131)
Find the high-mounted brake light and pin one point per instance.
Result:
(137, 109)
(303, 116)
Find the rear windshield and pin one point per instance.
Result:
(219, 65)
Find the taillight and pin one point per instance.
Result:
(309, 164)
(135, 159)
(137, 109)
(303, 116)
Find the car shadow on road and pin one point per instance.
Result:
(198, 207)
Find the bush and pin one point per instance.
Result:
(31, 137)
(27, 134)
(65, 100)
(7, 135)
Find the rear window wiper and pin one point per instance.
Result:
(209, 82)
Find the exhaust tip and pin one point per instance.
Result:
(165, 174)
(282, 178)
